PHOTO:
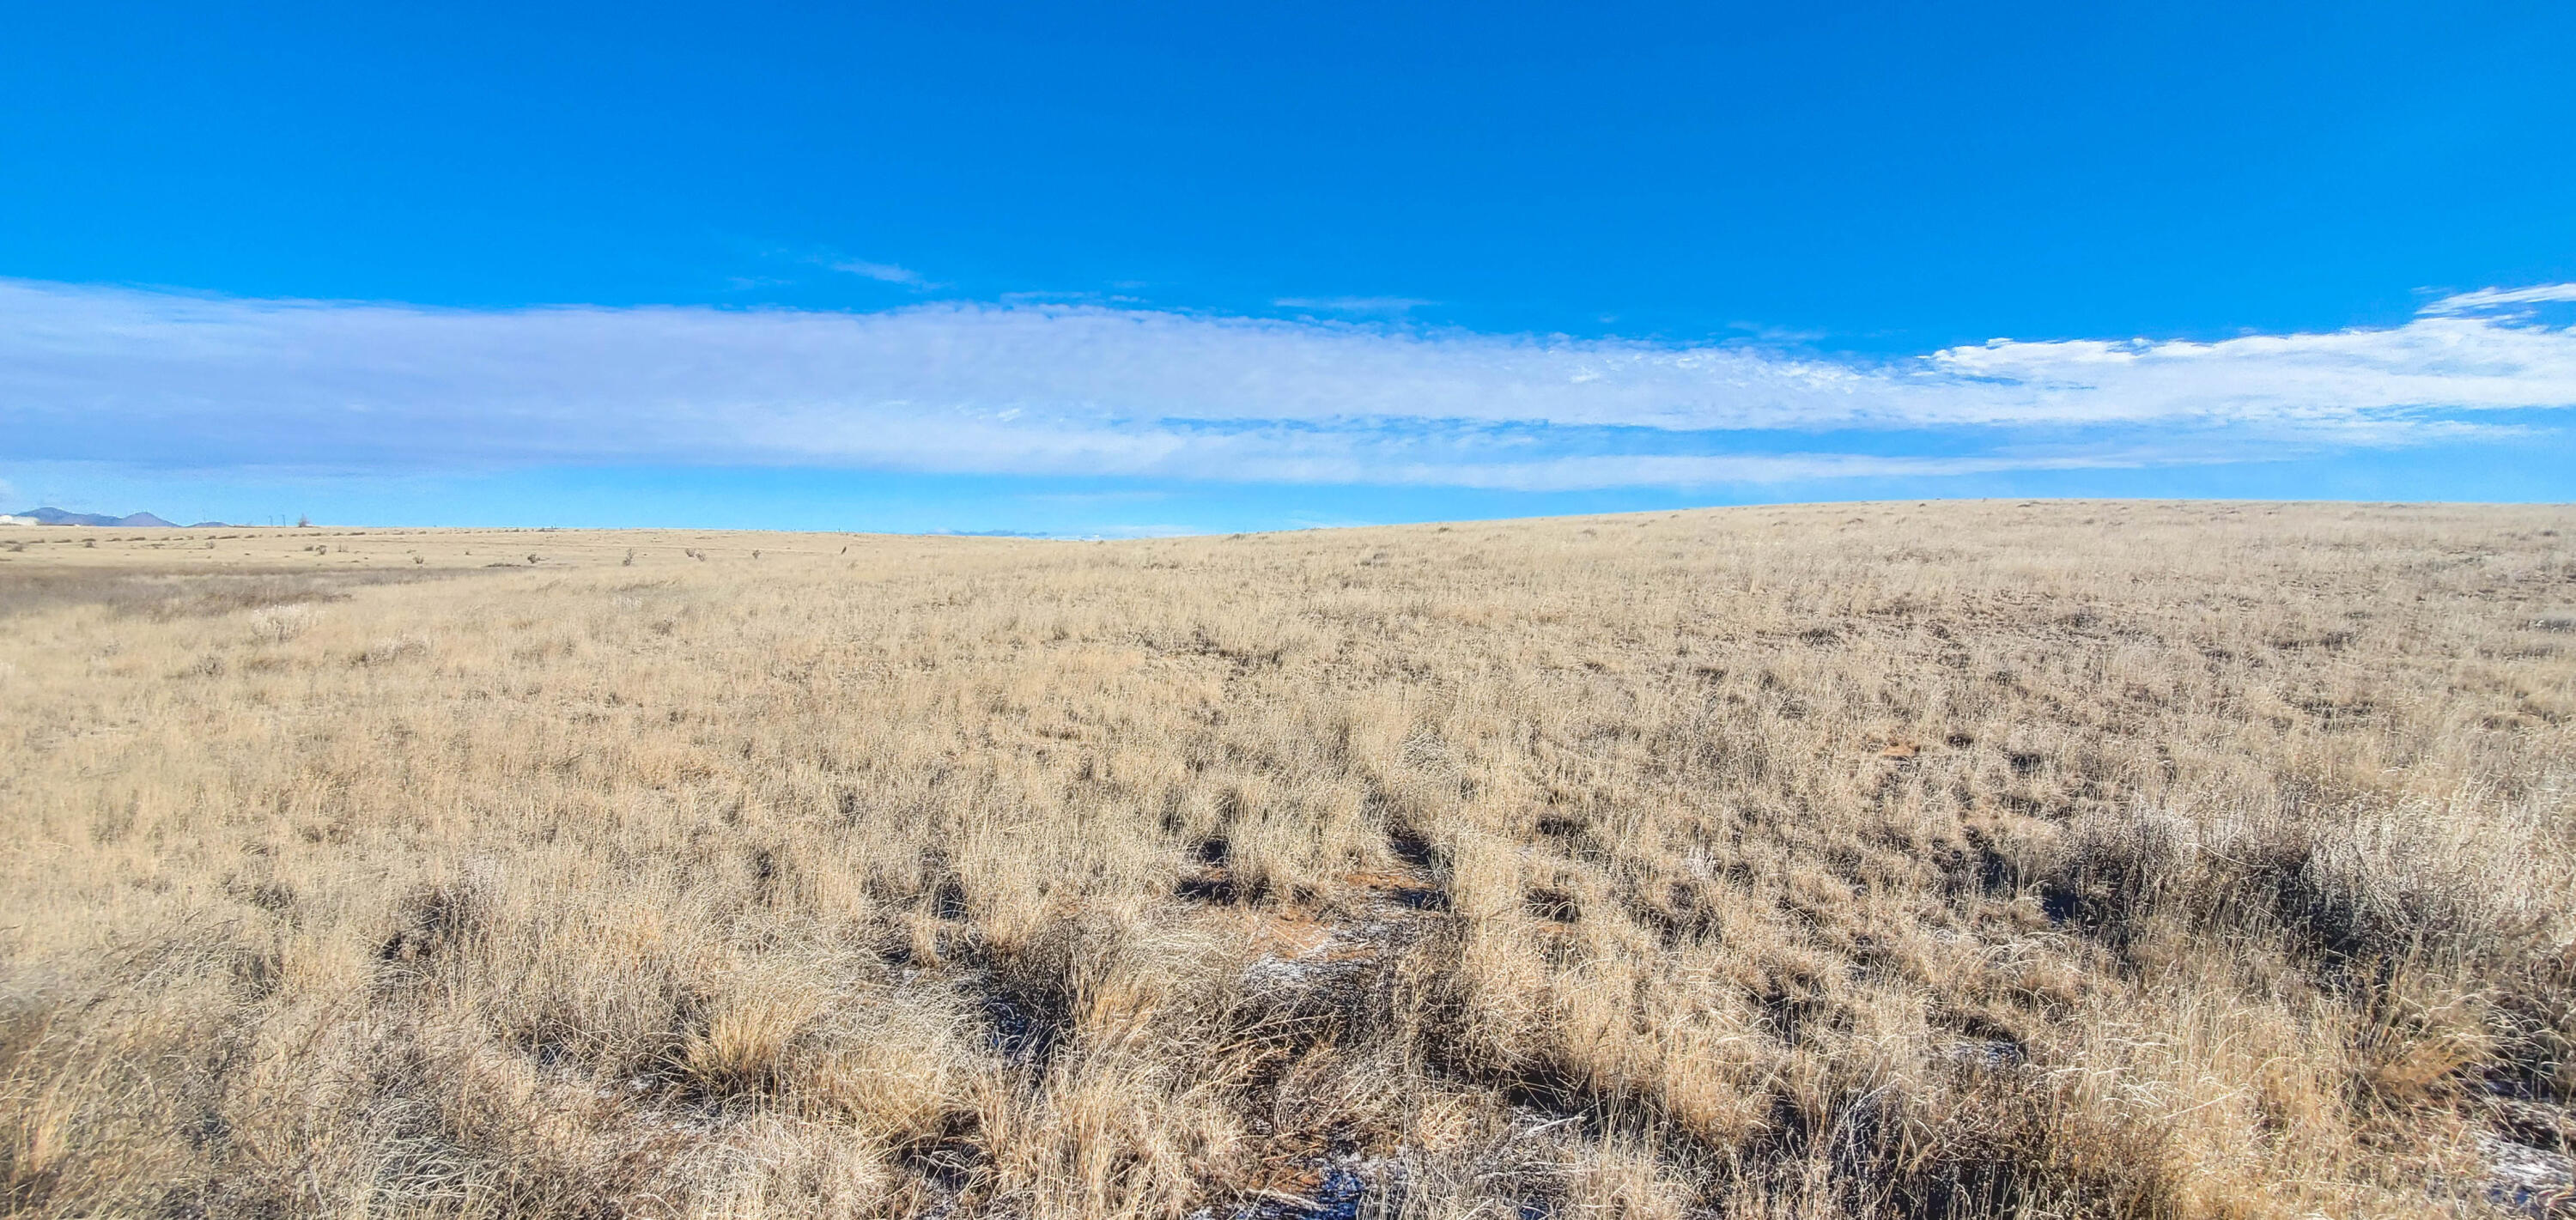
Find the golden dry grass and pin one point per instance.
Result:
(1963, 860)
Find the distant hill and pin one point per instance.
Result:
(56, 516)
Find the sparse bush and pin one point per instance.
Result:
(282, 624)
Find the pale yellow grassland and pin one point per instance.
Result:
(2116, 859)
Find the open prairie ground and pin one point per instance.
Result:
(2054, 859)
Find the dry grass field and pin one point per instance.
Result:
(2052, 859)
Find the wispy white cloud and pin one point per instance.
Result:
(1774, 334)
(1366, 307)
(115, 374)
(887, 273)
(2487, 299)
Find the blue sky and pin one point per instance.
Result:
(1168, 268)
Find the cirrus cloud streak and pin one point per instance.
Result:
(119, 374)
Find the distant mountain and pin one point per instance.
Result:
(56, 516)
